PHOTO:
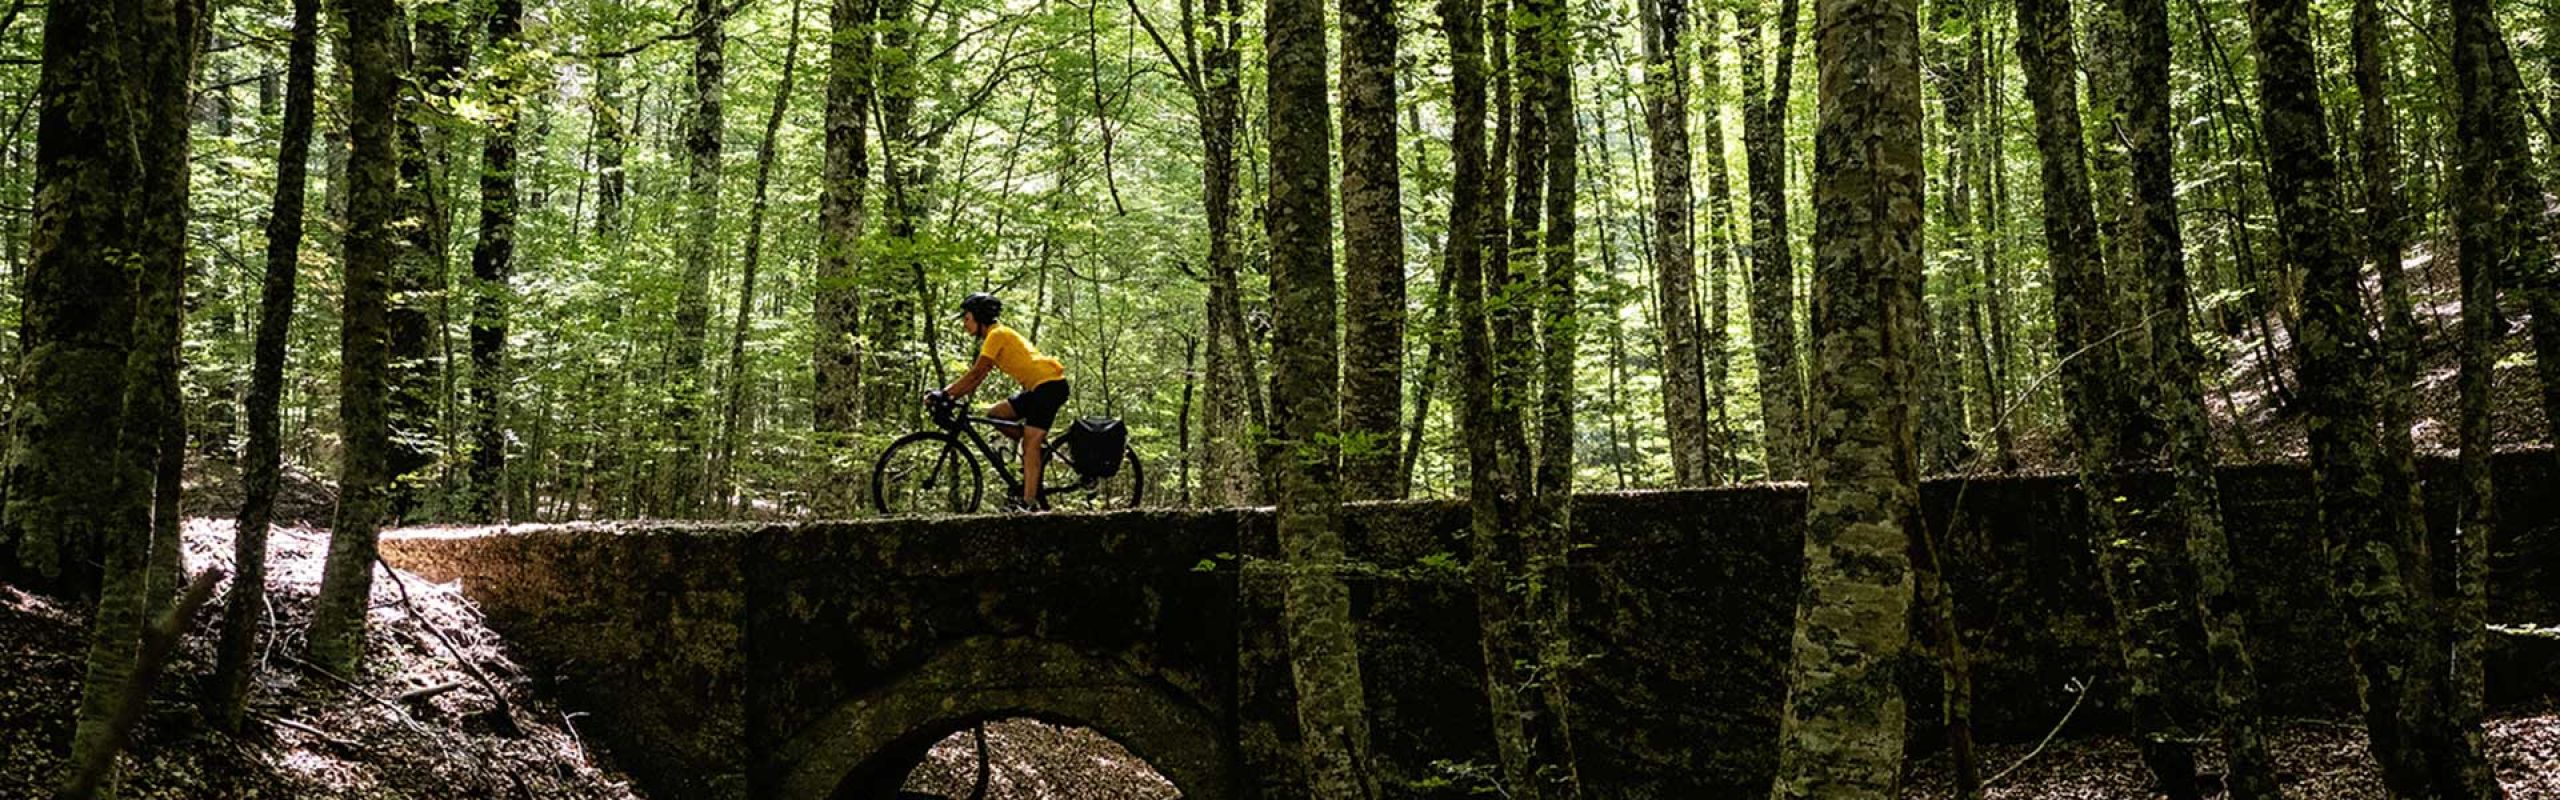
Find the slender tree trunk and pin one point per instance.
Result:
(686, 489)
(1842, 734)
(364, 473)
(733, 412)
(840, 222)
(1725, 459)
(1372, 252)
(171, 35)
(1441, 350)
(434, 58)
(2099, 369)
(1234, 386)
(1324, 653)
(492, 264)
(896, 282)
(2386, 232)
(1990, 134)
(2501, 219)
(2389, 636)
(1773, 296)
(1516, 282)
(1493, 544)
(610, 145)
(2158, 243)
(1560, 324)
(261, 463)
(1666, 121)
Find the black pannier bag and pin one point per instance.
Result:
(1098, 443)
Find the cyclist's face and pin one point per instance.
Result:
(969, 323)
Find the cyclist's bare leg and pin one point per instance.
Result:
(1031, 440)
(1003, 409)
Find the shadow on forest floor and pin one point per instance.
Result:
(2320, 760)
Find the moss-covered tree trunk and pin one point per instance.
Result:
(1492, 543)
(611, 144)
(1372, 253)
(2386, 233)
(2399, 661)
(1547, 32)
(364, 362)
(685, 488)
(155, 434)
(895, 282)
(2478, 225)
(261, 463)
(492, 264)
(78, 299)
(842, 188)
(1674, 252)
(1511, 280)
(1773, 272)
(101, 328)
(2100, 363)
(1842, 733)
(2159, 246)
(2502, 220)
(433, 54)
(1324, 653)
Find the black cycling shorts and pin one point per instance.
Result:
(1038, 406)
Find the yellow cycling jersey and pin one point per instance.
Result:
(1017, 358)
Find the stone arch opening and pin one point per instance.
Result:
(867, 747)
(1016, 757)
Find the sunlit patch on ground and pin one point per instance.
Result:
(1032, 760)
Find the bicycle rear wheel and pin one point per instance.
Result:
(1124, 489)
(927, 473)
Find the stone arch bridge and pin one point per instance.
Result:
(820, 660)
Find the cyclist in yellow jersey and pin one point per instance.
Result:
(1043, 380)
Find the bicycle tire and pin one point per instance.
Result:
(1132, 475)
(950, 458)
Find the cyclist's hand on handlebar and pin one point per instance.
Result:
(937, 397)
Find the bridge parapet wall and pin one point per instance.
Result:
(726, 660)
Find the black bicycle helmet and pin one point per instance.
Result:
(982, 305)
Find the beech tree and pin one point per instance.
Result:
(1842, 731)
(2378, 570)
(364, 472)
(261, 463)
(1324, 652)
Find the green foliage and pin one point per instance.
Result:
(1062, 169)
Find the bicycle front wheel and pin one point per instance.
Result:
(1124, 489)
(927, 473)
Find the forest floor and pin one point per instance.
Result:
(2319, 760)
(308, 734)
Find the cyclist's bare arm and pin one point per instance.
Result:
(969, 383)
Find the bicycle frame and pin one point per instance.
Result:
(965, 426)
